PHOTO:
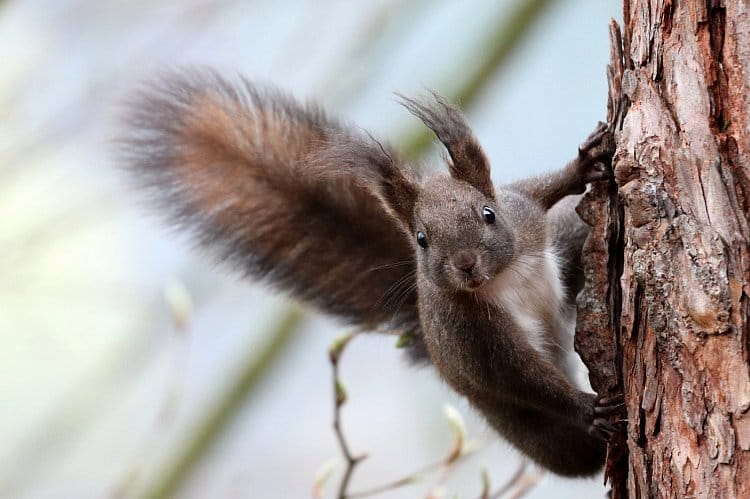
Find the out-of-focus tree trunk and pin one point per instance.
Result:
(664, 314)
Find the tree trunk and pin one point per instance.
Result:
(663, 318)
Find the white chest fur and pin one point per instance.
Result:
(530, 291)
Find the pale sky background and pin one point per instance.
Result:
(97, 386)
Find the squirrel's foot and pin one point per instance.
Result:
(595, 154)
(601, 427)
(609, 406)
(596, 138)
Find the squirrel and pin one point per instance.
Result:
(485, 278)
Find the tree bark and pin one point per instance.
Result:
(663, 317)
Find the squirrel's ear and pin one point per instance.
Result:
(468, 161)
(377, 169)
(400, 191)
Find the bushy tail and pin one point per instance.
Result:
(279, 189)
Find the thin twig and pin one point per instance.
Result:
(445, 471)
(457, 453)
(526, 482)
(458, 450)
(521, 480)
(512, 481)
(339, 398)
(407, 479)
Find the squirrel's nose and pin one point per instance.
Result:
(465, 260)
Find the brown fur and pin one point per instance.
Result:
(481, 348)
(330, 216)
(277, 188)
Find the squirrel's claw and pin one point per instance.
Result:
(603, 429)
(598, 147)
(595, 155)
(597, 137)
(608, 406)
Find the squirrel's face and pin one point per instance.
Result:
(463, 239)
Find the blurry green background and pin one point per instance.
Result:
(129, 364)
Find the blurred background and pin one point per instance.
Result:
(130, 366)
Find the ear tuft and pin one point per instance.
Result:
(468, 161)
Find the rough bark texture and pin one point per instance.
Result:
(664, 314)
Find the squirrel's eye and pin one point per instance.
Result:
(421, 239)
(488, 215)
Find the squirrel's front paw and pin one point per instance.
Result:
(604, 407)
(595, 155)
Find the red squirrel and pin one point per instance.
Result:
(484, 277)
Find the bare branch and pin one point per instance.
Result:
(339, 399)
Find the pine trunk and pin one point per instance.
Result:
(663, 318)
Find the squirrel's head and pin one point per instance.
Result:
(463, 233)
(463, 238)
